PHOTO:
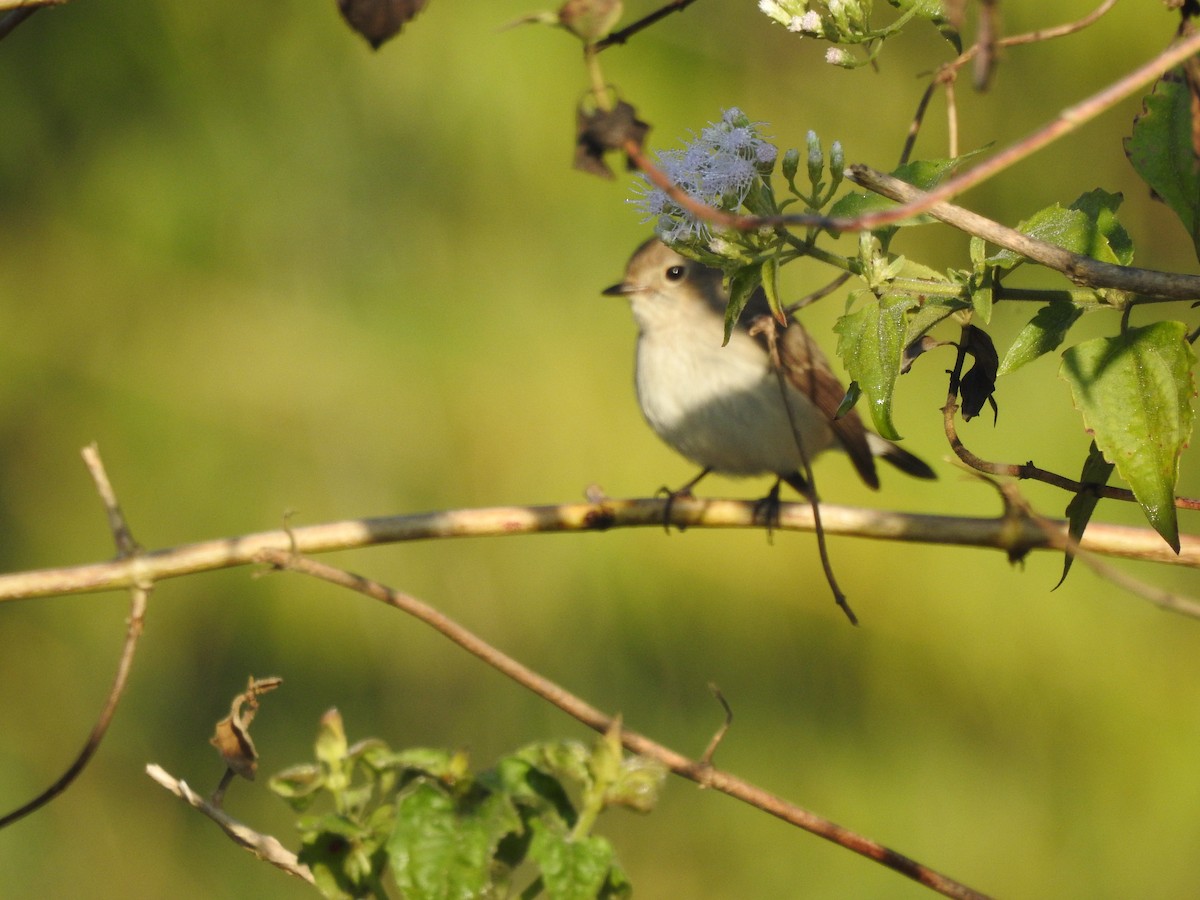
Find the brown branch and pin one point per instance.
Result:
(10, 20)
(620, 37)
(694, 770)
(1079, 268)
(264, 846)
(139, 593)
(962, 531)
(1068, 120)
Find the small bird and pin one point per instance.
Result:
(723, 407)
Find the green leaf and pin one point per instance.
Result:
(1162, 151)
(572, 869)
(871, 343)
(532, 788)
(933, 11)
(1096, 471)
(1088, 226)
(932, 313)
(770, 283)
(438, 850)
(981, 296)
(1111, 237)
(298, 785)
(1044, 333)
(742, 284)
(1134, 391)
(331, 739)
(853, 392)
(638, 784)
(345, 859)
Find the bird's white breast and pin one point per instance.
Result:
(722, 406)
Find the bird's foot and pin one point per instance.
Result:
(767, 511)
(683, 493)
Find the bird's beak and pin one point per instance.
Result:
(622, 289)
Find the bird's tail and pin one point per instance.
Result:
(899, 457)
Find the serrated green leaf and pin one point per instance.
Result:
(1096, 471)
(871, 343)
(1134, 391)
(344, 858)
(1101, 208)
(1161, 150)
(572, 868)
(439, 851)
(919, 271)
(532, 788)
(1044, 333)
(1088, 226)
(742, 284)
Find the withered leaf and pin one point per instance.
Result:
(601, 130)
(979, 384)
(379, 20)
(232, 734)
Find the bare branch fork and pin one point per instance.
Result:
(139, 594)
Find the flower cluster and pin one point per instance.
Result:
(719, 168)
(840, 21)
(793, 16)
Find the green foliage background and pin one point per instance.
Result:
(268, 270)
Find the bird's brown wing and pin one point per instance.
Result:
(809, 371)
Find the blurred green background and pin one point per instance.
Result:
(268, 270)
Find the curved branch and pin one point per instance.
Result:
(139, 594)
(699, 771)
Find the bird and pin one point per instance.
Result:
(724, 406)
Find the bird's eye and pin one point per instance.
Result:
(675, 273)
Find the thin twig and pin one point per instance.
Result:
(706, 758)
(620, 37)
(767, 325)
(139, 593)
(694, 770)
(264, 846)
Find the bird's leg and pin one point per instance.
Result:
(768, 510)
(685, 492)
